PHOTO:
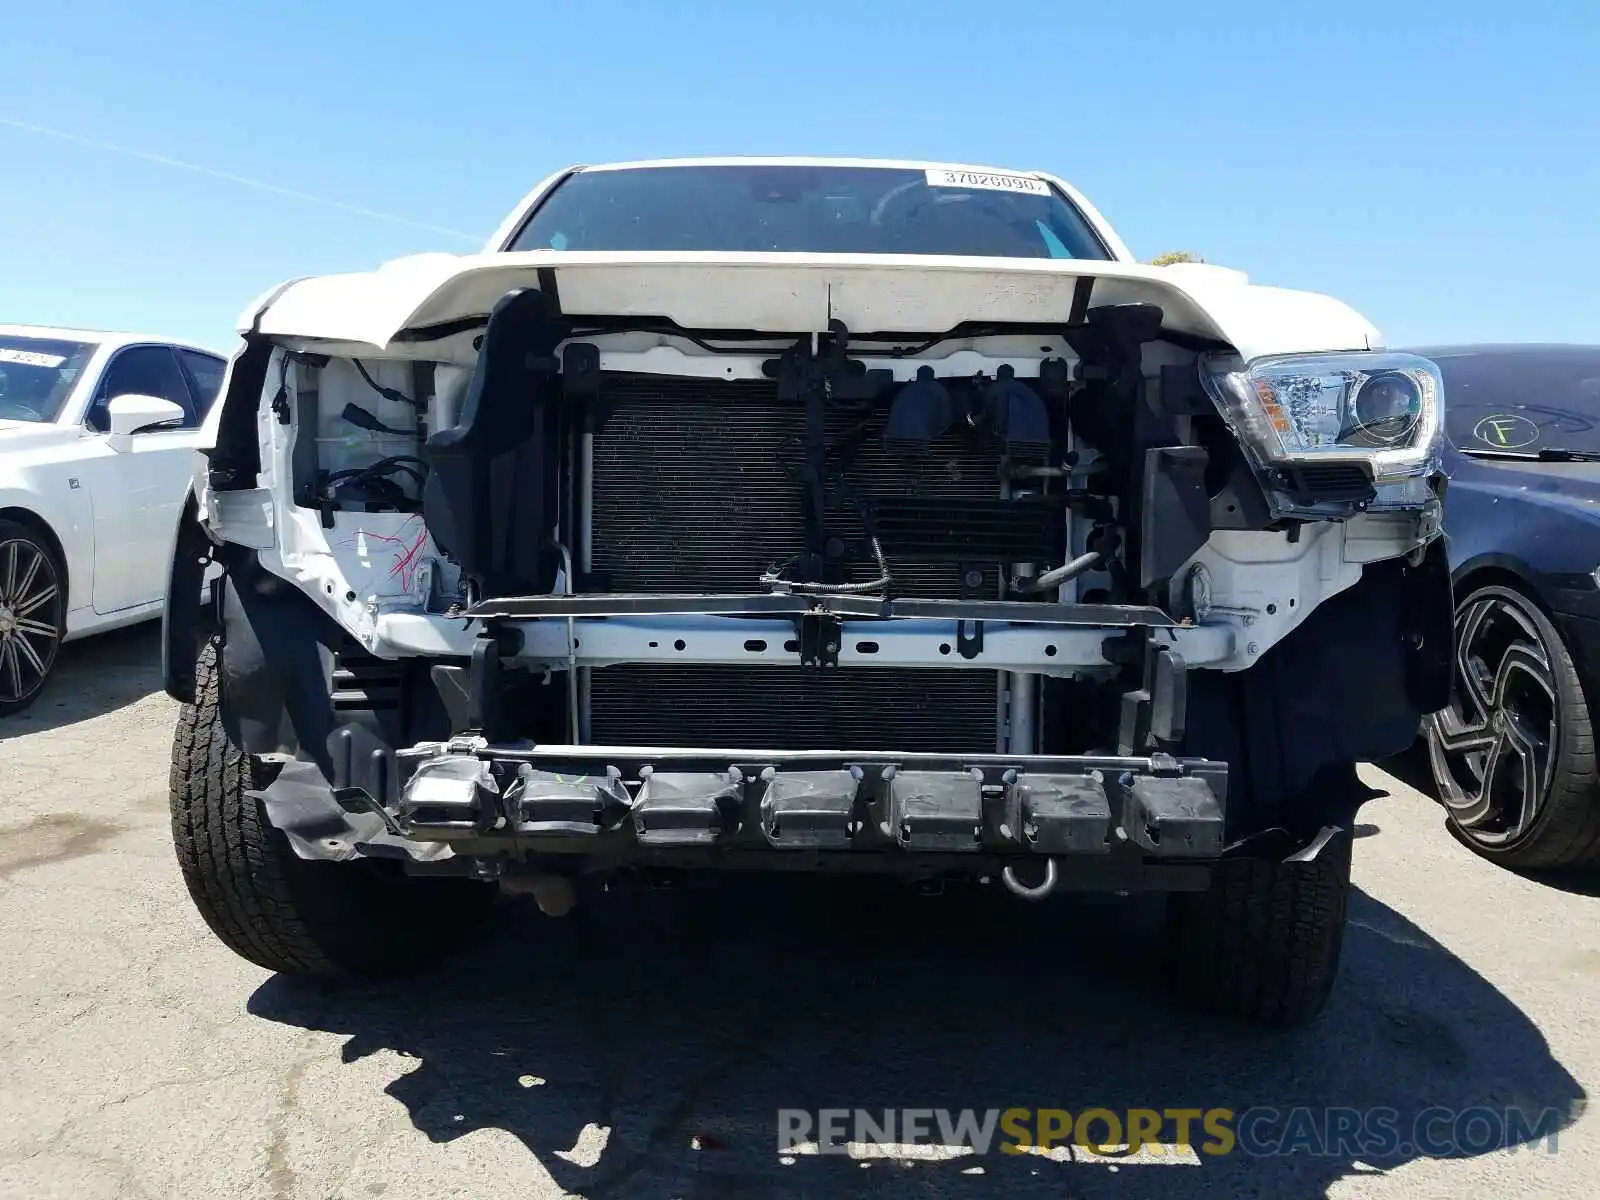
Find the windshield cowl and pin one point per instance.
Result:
(1544, 454)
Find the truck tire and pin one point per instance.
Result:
(1262, 943)
(344, 922)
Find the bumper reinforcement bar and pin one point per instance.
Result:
(514, 608)
(600, 799)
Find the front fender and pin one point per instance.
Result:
(1573, 592)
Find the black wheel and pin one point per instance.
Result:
(33, 615)
(342, 922)
(1513, 754)
(1262, 943)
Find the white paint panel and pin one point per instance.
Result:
(799, 293)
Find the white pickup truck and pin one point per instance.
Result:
(843, 515)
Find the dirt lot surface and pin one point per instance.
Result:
(643, 1045)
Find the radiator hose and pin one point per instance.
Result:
(880, 584)
(1058, 575)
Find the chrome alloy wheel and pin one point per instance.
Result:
(30, 620)
(1495, 747)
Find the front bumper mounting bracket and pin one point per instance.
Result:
(819, 634)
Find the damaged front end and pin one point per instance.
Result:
(546, 593)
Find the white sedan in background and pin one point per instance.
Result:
(97, 437)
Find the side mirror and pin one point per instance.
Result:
(128, 414)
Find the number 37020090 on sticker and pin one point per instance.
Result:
(987, 179)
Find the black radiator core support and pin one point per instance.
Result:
(1118, 414)
(1175, 511)
(491, 491)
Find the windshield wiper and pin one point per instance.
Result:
(1546, 455)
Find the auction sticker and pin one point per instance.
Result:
(987, 179)
(31, 358)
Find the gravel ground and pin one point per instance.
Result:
(643, 1045)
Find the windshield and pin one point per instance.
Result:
(810, 209)
(1523, 401)
(37, 375)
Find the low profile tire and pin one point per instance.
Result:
(1262, 943)
(1513, 755)
(347, 922)
(33, 615)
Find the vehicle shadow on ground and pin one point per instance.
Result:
(666, 1017)
(92, 677)
(1411, 768)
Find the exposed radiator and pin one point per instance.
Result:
(787, 708)
(690, 495)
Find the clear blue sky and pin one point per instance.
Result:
(1435, 164)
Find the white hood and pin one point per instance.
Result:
(801, 293)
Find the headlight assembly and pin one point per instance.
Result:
(1364, 421)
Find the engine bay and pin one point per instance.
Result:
(994, 467)
(964, 541)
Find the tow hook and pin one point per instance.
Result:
(1039, 891)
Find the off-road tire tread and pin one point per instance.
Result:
(317, 921)
(1263, 942)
